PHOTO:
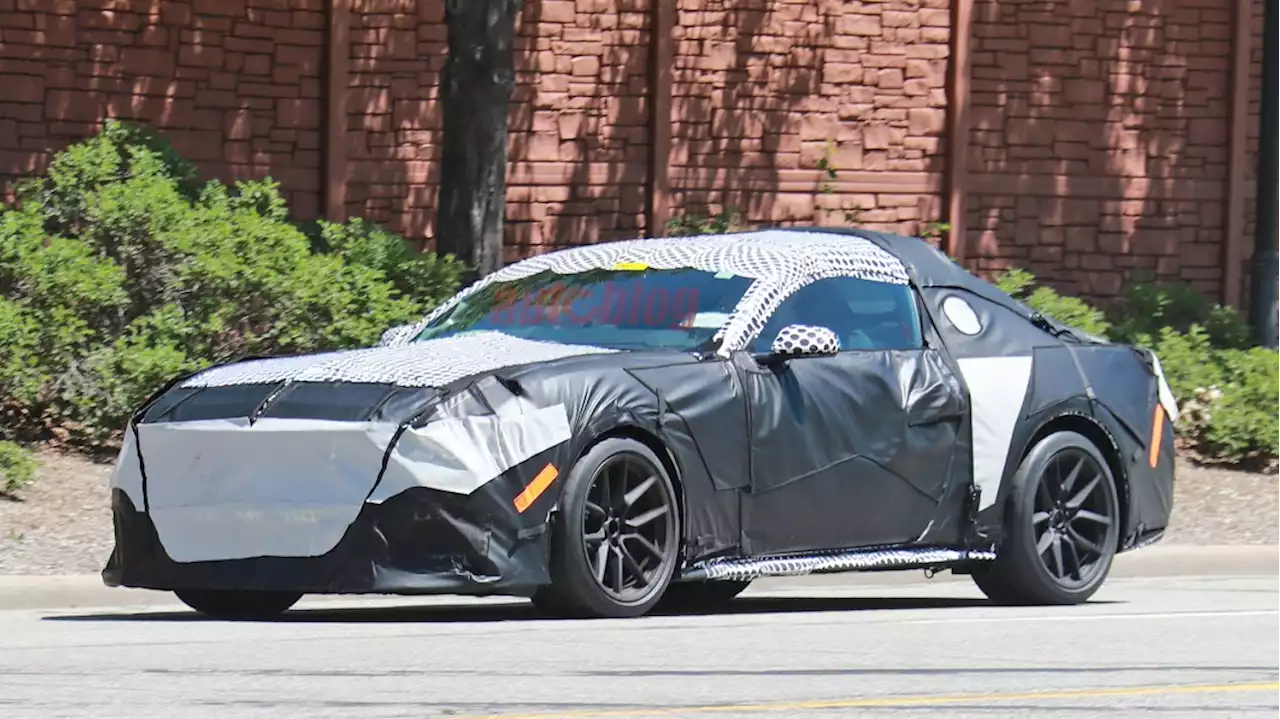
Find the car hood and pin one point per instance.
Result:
(431, 363)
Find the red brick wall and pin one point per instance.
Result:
(1099, 142)
(580, 140)
(579, 137)
(760, 88)
(764, 89)
(234, 84)
(396, 53)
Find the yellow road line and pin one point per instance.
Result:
(943, 699)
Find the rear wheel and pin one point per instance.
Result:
(1062, 526)
(238, 604)
(693, 596)
(614, 546)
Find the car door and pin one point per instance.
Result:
(854, 448)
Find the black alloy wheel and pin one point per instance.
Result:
(1073, 518)
(616, 537)
(1062, 526)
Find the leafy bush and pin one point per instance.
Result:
(426, 277)
(1247, 427)
(17, 466)
(118, 271)
(1228, 397)
(1147, 308)
(1071, 311)
(699, 224)
(1184, 357)
(1227, 389)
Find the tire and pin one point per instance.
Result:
(695, 596)
(1062, 526)
(238, 604)
(595, 554)
(548, 602)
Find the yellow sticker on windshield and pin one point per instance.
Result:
(632, 266)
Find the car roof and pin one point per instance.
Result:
(926, 265)
(762, 254)
(780, 260)
(784, 258)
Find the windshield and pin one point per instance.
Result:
(621, 308)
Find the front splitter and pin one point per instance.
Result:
(421, 541)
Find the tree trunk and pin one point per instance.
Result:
(475, 96)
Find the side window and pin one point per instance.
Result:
(865, 315)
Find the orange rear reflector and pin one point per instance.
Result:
(535, 489)
(1157, 432)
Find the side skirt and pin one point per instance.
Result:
(831, 562)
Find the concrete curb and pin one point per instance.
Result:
(27, 592)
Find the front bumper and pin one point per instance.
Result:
(421, 541)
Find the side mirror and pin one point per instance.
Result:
(804, 340)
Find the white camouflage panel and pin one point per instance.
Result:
(419, 364)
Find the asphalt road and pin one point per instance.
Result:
(1159, 646)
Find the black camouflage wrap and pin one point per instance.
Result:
(859, 449)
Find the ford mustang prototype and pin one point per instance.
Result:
(607, 428)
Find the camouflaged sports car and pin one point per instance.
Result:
(612, 426)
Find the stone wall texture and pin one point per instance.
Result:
(1099, 144)
(235, 84)
(1098, 147)
(765, 90)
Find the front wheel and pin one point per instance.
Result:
(238, 604)
(615, 539)
(1062, 526)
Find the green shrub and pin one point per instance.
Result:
(1147, 308)
(1194, 379)
(1013, 282)
(17, 467)
(1071, 311)
(1246, 426)
(724, 222)
(1184, 357)
(119, 271)
(426, 278)
(104, 161)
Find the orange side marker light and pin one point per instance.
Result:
(1157, 432)
(535, 489)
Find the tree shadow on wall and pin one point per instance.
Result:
(231, 96)
(48, 104)
(394, 124)
(579, 141)
(759, 92)
(766, 94)
(1098, 143)
(738, 93)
